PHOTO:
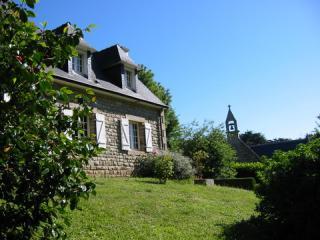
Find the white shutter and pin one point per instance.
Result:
(125, 138)
(148, 132)
(69, 113)
(134, 82)
(101, 130)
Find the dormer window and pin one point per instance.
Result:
(77, 63)
(129, 79)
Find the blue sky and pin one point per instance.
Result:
(262, 57)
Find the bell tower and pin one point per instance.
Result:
(231, 124)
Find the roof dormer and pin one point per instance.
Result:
(115, 65)
(81, 64)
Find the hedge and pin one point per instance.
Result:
(248, 169)
(245, 183)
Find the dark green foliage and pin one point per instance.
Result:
(252, 138)
(248, 169)
(171, 119)
(182, 166)
(163, 167)
(316, 133)
(245, 183)
(41, 169)
(280, 140)
(199, 160)
(144, 167)
(290, 192)
(208, 147)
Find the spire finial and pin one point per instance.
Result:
(229, 106)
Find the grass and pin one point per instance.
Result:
(136, 208)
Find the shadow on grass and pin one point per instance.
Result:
(149, 181)
(251, 229)
(258, 228)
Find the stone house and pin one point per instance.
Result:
(127, 120)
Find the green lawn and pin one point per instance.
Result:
(141, 209)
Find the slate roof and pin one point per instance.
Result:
(113, 55)
(230, 116)
(142, 92)
(269, 148)
(70, 30)
(103, 59)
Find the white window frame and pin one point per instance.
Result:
(78, 63)
(136, 137)
(129, 78)
(86, 128)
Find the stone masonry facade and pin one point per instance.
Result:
(114, 161)
(127, 120)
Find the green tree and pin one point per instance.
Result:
(252, 138)
(172, 122)
(280, 139)
(41, 152)
(290, 192)
(316, 133)
(208, 147)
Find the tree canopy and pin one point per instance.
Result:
(253, 138)
(42, 150)
(172, 122)
(207, 145)
(289, 192)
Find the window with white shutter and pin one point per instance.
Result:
(125, 137)
(148, 134)
(101, 130)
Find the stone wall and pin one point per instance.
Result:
(114, 161)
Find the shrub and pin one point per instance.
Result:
(245, 183)
(216, 154)
(144, 167)
(290, 192)
(163, 167)
(182, 167)
(41, 168)
(248, 169)
(199, 158)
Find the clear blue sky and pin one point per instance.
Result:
(262, 57)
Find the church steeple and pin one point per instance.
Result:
(231, 123)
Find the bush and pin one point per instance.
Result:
(41, 168)
(182, 167)
(209, 148)
(163, 167)
(144, 167)
(199, 158)
(290, 192)
(248, 169)
(245, 183)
